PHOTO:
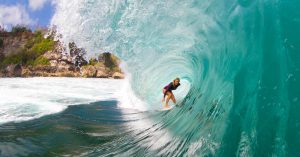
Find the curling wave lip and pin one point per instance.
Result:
(240, 58)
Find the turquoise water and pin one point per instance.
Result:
(74, 132)
(239, 61)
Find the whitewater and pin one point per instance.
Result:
(28, 98)
(238, 60)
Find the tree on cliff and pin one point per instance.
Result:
(19, 29)
(77, 55)
(110, 61)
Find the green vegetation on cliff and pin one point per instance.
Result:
(41, 60)
(93, 61)
(107, 60)
(111, 61)
(38, 55)
(39, 45)
(31, 53)
(20, 29)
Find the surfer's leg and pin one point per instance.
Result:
(168, 98)
(173, 98)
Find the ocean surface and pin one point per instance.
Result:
(24, 99)
(75, 117)
(239, 64)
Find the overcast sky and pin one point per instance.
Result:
(32, 13)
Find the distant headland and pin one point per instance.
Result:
(24, 53)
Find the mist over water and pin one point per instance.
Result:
(239, 62)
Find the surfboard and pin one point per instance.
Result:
(169, 108)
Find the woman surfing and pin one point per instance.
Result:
(167, 90)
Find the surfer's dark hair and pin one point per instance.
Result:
(177, 78)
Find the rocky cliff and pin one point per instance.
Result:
(27, 54)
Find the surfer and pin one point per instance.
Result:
(168, 91)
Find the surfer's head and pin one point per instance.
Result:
(176, 81)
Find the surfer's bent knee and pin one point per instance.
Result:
(169, 93)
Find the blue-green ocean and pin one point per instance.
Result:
(239, 64)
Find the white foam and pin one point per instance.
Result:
(127, 97)
(27, 98)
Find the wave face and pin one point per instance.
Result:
(239, 62)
